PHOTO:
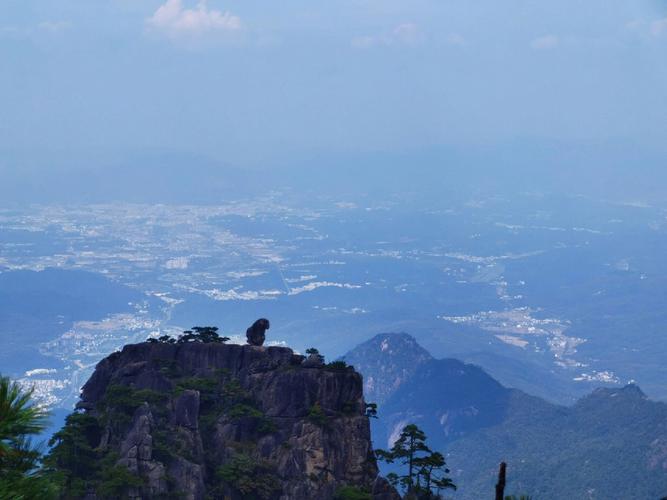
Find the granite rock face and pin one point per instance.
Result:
(211, 420)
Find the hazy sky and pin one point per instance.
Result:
(248, 81)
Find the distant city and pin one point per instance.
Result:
(505, 282)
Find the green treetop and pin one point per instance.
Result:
(20, 477)
(426, 469)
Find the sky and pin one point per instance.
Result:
(257, 83)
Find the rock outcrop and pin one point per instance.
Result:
(211, 420)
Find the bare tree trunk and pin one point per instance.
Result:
(500, 486)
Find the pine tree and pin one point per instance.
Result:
(20, 477)
(432, 469)
(426, 469)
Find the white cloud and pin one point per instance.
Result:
(455, 39)
(635, 25)
(408, 34)
(648, 28)
(365, 42)
(54, 26)
(403, 34)
(177, 21)
(545, 42)
(45, 28)
(309, 287)
(659, 27)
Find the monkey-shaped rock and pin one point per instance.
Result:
(256, 334)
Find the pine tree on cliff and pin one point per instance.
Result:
(202, 334)
(20, 477)
(426, 469)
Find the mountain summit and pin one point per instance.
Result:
(211, 420)
(387, 361)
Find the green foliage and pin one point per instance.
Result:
(252, 478)
(317, 416)
(203, 334)
(210, 397)
(208, 387)
(168, 367)
(236, 402)
(18, 416)
(352, 493)
(163, 448)
(20, 477)
(79, 467)
(588, 444)
(73, 458)
(522, 497)
(233, 392)
(126, 399)
(242, 410)
(372, 410)
(264, 424)
(426, 469)
(337, 366)
(33, 486)
(115, 480)
(431, 474)
(77, 464)
(311, 351)
(226, 398)
(121, 401)
(164, 339)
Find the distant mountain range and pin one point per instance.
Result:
(611, 444)
(105, 177)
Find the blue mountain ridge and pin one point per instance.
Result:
(611, 444)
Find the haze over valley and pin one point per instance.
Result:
(247, 246)
(552, 295)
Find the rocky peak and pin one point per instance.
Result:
(629, 391)
(387, 361)
(612, 396)
(212, 420)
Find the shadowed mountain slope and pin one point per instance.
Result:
(612, 444)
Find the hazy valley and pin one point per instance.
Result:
(552, 296)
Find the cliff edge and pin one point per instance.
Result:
(213, 420)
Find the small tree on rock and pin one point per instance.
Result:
(314, 354)
(201, 334)
(372, 410)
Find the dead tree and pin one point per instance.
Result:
(500, 486)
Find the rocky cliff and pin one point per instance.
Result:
(211, 420)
